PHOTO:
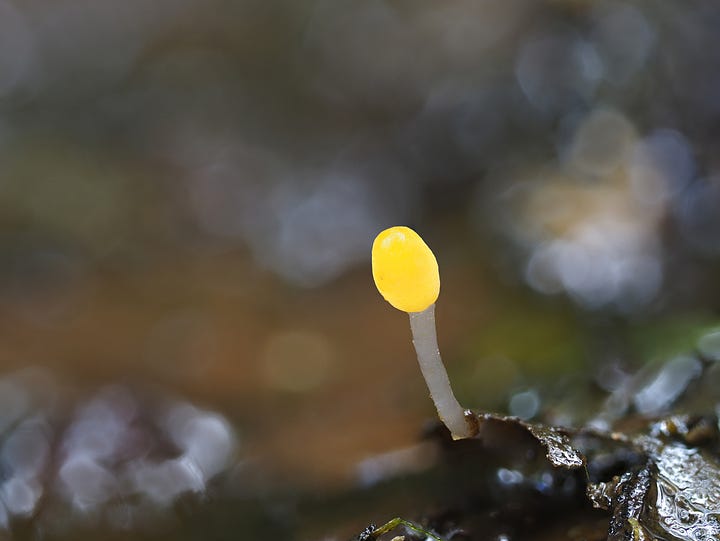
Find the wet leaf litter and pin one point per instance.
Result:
(647, 478)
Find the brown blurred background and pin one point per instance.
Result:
(189, 192)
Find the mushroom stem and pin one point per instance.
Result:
(460, 423)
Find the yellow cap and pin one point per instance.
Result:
(405, 269)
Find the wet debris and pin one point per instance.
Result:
(675, 496)
(627, 502)
(414, 531)
(555, 441)
(656, 478)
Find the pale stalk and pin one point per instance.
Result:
(449, 409)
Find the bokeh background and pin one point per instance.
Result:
(189, 192)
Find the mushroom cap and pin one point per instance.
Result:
(405, 269)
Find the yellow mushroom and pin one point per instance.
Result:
(406, 275)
